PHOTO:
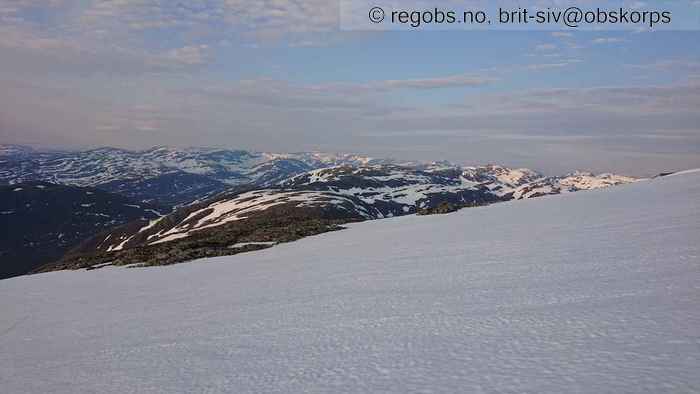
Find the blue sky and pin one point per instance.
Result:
(280, 75)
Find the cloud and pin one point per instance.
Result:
(136, 73)
(562, 34)
(453, 81)
(91, 36)
(120, 15)
(547, 66)
(364, 97)
(677, 65)
(545, 47)
(600, 111)
(608, 40)
(277, 17)
(172, 104)
(269, 114)
(187, 55)
(75, 49)
(262, 19)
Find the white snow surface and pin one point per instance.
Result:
(594, 292)
(244, 244)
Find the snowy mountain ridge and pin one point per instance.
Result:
(176, 176)
(99, 166)
(361, 193)
(164, 175)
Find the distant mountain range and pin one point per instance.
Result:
(364, 193)
(167, 175)
(228, 201)
(270, 207)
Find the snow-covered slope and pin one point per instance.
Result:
(535, 296)
(569, 183)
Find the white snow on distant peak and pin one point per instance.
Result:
(588, 181)
(99, 166)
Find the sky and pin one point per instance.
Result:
(283, 75)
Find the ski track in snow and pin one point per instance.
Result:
(593, 292)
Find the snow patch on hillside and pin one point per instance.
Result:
(242, 206)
